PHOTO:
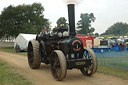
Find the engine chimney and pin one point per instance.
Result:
(71, 17)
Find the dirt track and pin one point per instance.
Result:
(43, 75)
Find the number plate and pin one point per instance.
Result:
(81, 63)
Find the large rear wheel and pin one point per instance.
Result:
(58, 65)
(33, 54)
(90, 70)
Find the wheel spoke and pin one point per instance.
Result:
(90, 57)
(56, 74)
(42, 50)
(53, 59)
(31, 54)
(87, 54)
(90, 68)
(57, 62)
(31, 59)
(58, 71)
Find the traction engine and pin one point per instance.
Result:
(62, 50)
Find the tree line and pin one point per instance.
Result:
(30, 19)
(22, 19)
(118, 28)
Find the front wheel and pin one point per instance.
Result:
(58, 65)
(90, 70)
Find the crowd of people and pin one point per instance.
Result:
(122, 45)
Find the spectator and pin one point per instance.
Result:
(17, 48)
(116, 43)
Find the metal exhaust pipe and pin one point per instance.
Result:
(71, 17)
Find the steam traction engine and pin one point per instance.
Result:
(62, 50)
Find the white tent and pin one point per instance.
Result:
(23, 39)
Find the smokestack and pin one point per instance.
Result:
(71, 17)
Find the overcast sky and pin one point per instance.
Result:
(107, 12)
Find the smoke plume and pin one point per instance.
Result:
(76, 2)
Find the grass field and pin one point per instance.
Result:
(113, 71)
(8, 76)
(11, 50)
(106, 36)
(101, 68)
(115, 62)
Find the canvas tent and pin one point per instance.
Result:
(23, 39)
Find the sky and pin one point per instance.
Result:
(107, 12)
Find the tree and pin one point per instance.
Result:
(96, 34)
(84, 25)
(62, 20)
(1, 29)
(22, 19)
(118, 28)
